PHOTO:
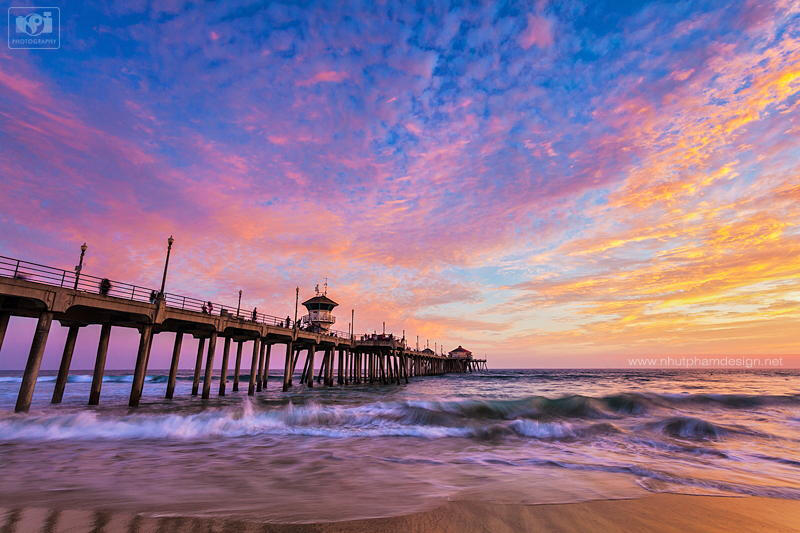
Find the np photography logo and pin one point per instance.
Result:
(34, 28)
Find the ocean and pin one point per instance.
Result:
(322, 454)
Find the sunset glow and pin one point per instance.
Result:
(553, 184)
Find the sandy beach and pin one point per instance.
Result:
(659, 512)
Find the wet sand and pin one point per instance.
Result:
(659, 512)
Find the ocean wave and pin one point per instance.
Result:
(579, 407)
(533, 407)
(308, 420)
(686, 427)
(543, 430)
(673, 447)
(312, 419)
(535, 417)
(641, 403)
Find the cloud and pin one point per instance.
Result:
(538, 32)
(633, 187)
(327, 76)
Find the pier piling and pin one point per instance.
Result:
(100, 364)
(323, 367)
(331, 365)
(4, 317)
(265, 377)
(173, 367)
(198, 365)
(212, 347)
(223, 376)
(34, 362)
(238, 368)
(287, 368)
(142, 356)
(66, 361)
(260, 369)
(308, 373)
(251, 386)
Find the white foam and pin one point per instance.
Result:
(542, 430)
(309, 420)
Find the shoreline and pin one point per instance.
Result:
(665, 512)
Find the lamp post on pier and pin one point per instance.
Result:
(166, 265)
(296, 300)
(239, 305)
(79, 267)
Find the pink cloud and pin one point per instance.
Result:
(681, 75)
(539, 32)
(277, 139)
(327, 76)
(315, 187)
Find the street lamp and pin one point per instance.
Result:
(239, 306)
(166, 265)
(80, 265)
(296, 300)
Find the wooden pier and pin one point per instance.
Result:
(76, 300)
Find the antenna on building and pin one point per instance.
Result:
(324, 291)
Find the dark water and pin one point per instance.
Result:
(324, 454)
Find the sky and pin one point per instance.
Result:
(553, 184)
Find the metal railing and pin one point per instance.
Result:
(59, 277)
(27, 271)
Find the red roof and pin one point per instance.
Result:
(460, 349)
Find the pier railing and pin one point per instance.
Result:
(27, 271)
(59, 277)
(71, 279)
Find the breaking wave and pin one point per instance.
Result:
(663, 441)
(309, 420)
(690, 428)
(535, 417)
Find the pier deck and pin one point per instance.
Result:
(76, 300)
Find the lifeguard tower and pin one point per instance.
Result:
(319, 318)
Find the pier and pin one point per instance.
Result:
(76, 300)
